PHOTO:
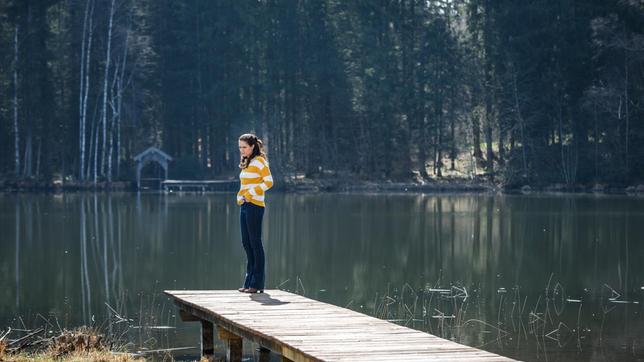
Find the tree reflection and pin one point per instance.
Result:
(480, 269)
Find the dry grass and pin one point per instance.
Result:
(104, 356)
(81, 340)
(81, 344)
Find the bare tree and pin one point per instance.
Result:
(114, 107)
(105, 81)
(86, 50)
(116, 103)
(113, 120)
(626, 110)
(15, 103)
(97, 127)
(91, 149)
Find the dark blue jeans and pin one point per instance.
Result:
(250, 219)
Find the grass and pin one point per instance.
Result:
(105, 356)
(80, 344)
(530, 322)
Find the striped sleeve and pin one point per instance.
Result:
(265, 176)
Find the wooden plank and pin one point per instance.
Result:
(234, 344)
(353, 337)
(207, 339)
(299, 316)
(187, 317)
(264, 354)
(302, 329)
(263, 340)
(279, 310)
(322, 339)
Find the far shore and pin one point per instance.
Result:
(347, 184)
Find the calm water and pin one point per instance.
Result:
(542, 278)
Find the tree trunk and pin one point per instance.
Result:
(113, 120)
(488, 45)
(452, 153)
(38, 158)
(105, 80)
(626, 113)
(438, 150)
(88, 168)
(26, 172)
(596, 137)
(86, 51)
(476, 137)
(501, 151)
(81, 91)
(521, 125)
(15, 103)
(119, 108)
(489, 164)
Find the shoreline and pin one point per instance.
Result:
(322, 185)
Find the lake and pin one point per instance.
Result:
(535, 277)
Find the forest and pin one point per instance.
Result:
(519, 92)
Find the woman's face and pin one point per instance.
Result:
(245, 149)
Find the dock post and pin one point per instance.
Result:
(233, 345)
(207, 339)
(264, 354)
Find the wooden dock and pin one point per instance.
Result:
(302, 329)
(199, 185)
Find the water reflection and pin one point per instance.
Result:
(536, 277)
(86, 292)
(17, 261)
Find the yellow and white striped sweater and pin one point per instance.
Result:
(255, 180)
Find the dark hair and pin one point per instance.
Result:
(258, 149)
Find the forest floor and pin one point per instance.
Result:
(456, 181)
(349, 184)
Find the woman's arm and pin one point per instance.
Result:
(266, 178)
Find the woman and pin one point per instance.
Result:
(255, 179)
